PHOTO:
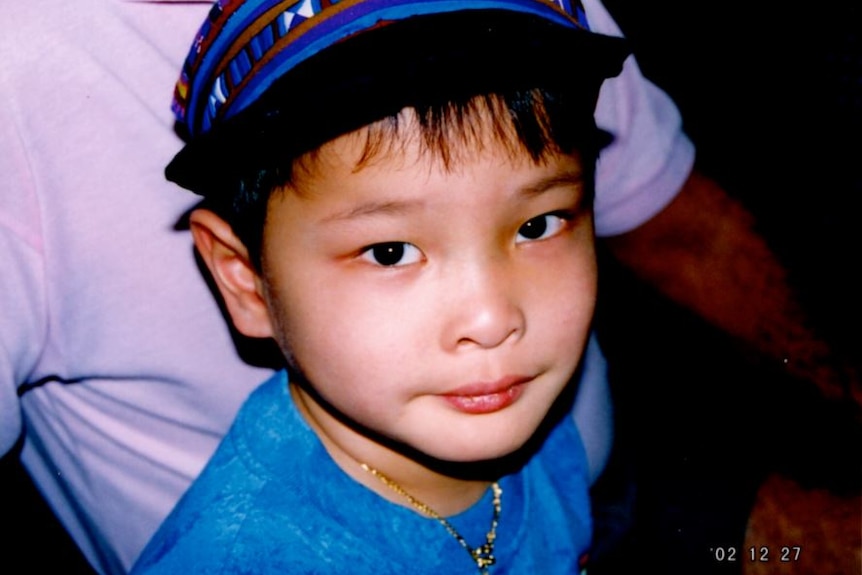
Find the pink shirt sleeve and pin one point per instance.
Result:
(22, 291)
(650, 157)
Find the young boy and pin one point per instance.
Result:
(399, 193)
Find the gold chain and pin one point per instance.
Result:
(482, 555)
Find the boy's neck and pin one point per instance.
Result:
(350, 450)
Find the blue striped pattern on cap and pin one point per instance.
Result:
(245, 45)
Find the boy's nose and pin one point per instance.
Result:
(484, 310)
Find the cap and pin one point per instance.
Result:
(267, 78)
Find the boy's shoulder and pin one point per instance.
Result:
(254, 485)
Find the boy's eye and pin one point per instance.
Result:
(541, 227)
(391, 254)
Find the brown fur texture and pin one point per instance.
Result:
(827, 529)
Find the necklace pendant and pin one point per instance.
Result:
(484, 556)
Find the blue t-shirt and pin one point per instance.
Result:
(271, 500)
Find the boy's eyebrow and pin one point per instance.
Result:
(566, 178)
(374, 207)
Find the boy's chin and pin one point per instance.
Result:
(476, 460)
(504, 446)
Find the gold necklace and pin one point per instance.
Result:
(482, 555)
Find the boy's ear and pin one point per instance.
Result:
(234, 274)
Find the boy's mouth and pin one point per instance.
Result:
(487, 397)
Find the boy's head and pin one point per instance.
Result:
(400, 195)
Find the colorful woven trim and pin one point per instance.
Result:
(245, 45)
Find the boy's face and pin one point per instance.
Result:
(443, 308)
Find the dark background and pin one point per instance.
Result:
(770, 93)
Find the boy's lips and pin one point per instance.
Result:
(487, 397)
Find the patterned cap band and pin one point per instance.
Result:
(245, 45)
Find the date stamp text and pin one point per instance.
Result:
(757, 553)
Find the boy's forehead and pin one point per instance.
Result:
(338, 184)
